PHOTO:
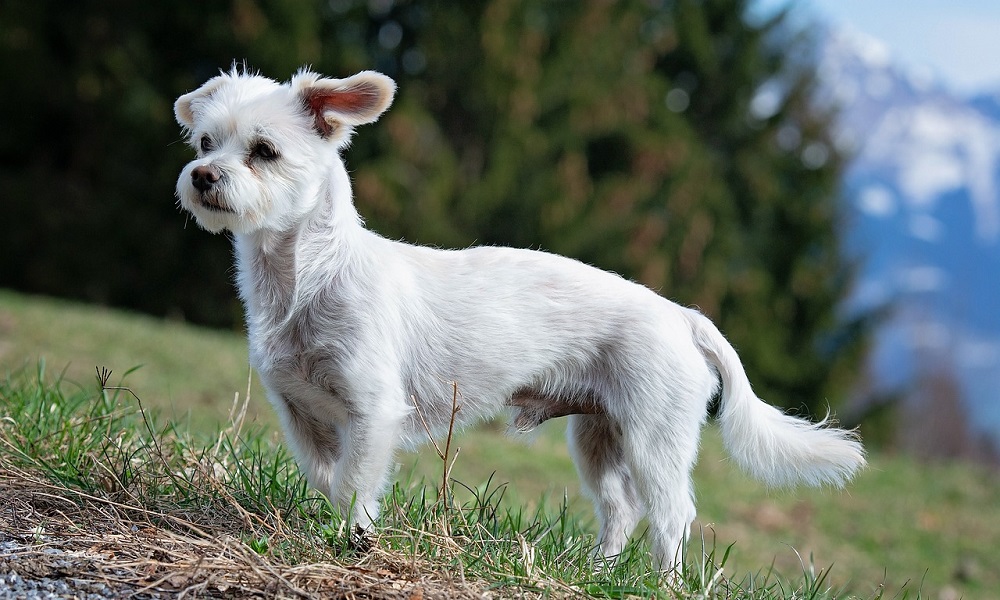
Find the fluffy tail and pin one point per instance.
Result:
(776, 448)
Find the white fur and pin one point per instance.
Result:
(346, 327)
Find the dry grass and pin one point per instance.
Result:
(138, 534)
(56, 532)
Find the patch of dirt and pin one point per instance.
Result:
(101, 549)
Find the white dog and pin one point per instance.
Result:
(347, 328)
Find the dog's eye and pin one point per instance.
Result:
(205, 143)
(263, 151)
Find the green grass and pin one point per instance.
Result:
(903, 529)
(186, 371)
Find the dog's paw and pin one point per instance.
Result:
(356, 541)
(360, 541)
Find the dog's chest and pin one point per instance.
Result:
(298, 357)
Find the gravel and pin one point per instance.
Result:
(15, 587)
(24, 585)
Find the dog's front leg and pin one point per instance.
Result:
(316, 442)
(360, 477)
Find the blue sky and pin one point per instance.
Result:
(958, 40)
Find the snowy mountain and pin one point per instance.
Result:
(924, 213)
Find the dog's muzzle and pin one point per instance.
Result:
(204, 177)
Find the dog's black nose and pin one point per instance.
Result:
(204, 177)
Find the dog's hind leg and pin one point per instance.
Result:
(661, 447)
(596, 445)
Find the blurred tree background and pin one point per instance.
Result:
(672, 141)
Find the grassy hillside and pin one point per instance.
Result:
(181, 369)
(932, 528)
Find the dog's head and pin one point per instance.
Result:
(265, 149)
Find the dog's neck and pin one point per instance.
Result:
(279, 270)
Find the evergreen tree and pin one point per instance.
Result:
(751, 103)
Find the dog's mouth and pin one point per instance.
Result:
(213, 203)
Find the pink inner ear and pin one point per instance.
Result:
(356, 102)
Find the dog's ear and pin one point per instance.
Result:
(338, 105)
(184, 106)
